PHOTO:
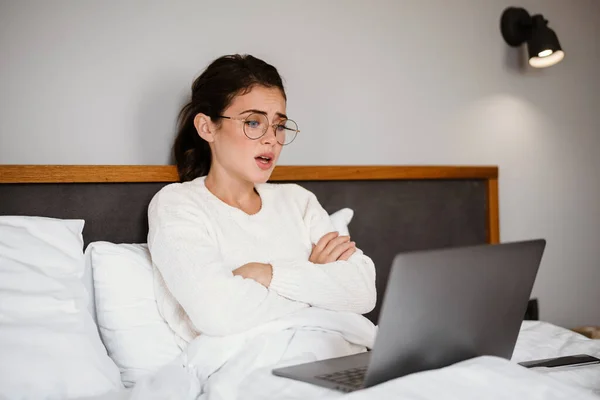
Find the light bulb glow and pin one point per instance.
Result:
(547, 61)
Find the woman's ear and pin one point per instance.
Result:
(204, 127)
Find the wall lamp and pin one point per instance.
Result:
(517, 27)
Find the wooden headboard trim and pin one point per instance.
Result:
(168, 173)
(493, 211)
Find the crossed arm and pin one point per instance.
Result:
(337, 275)
(330, 248)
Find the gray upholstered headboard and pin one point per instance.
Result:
(396, 208)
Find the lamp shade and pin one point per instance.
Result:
(543, 46)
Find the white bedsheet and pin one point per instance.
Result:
(538, 340)
(240, 367)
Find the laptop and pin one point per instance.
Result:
(440, 307)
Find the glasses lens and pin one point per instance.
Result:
(286, 131)
(255, 125)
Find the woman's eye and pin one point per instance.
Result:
(253, 124)
(281, 128)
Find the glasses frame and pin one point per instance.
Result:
(268, 126)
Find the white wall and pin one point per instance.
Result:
(370, 82)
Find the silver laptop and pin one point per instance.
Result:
(440, 307)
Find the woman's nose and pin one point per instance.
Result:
(270, 135)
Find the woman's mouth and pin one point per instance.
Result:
(264, 162)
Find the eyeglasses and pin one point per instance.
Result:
(256, 125)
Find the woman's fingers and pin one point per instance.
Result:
(339, 250)
(332, 247)
(334, 243)
(324, 241)
(347, 254)
(317, 254)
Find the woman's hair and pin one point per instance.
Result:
(212, 92)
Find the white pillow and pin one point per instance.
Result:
(49, 345)
(341, 219)
(137, 337)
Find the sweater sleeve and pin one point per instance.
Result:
(187, 257)
(339, 286)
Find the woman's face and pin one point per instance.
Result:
(241, 157)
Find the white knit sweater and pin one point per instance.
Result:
(196, 241)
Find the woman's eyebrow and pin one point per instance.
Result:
(280, 115)
(253, 111)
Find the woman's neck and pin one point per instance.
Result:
(233, 191)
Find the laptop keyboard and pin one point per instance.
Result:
(353, 377)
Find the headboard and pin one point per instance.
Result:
(396, 208)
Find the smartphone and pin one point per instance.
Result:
(567, 361)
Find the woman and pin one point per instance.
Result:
(231, 251)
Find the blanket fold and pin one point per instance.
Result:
(215, 368)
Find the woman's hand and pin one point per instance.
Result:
(261, 273)
(332, 247)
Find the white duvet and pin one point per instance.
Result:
(239, 366)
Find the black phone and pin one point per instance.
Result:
(574, 360)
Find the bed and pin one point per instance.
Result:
(412, 207)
